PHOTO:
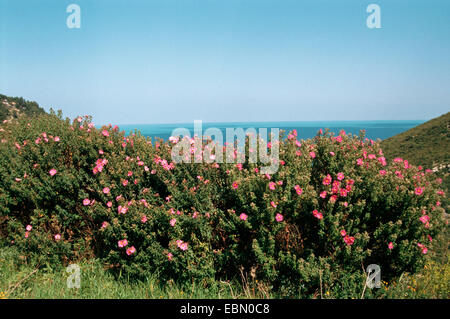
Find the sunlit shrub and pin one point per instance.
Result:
(333, 207)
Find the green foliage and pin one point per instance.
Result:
(184, 223)
(428, 145)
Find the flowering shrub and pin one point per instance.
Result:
(334, 206)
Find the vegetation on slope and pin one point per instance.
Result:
(71, 192)
(427, 145)
(15, 107)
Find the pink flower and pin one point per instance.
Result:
(390, 245)
(243, 216)
(56, 138)
(298, 189)
(272, 185)
(349, 240)
(86, 201)
(131, 250)
(122, 209)
(105, 133)
(273, 204)
(27, 234)
(52, 172)
(382, 172)
(169, 256)
(419, 190)
(279, 217)
(382, 160)
(184, 246)
(29, 227)
(130, 173)
(424, 219)
(332, 153)
(122, 243)
(57, 237)
(109, 204)
(359, 162)
(172, 222)
(312, 154)
(235, 185)
(317, 214)
(405, 164)
(104, 225)
(323, 194)
(340, 176)
(343, 233)
(106, 190)
(144, 219)
(327, 180)
(174, 139)
(125, 182)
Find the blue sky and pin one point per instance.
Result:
(166, 61)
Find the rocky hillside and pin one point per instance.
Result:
(14, 107)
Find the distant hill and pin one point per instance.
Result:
(14, 107)
(427, 144)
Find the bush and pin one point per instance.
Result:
(333, 207)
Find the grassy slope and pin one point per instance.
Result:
(427, 144)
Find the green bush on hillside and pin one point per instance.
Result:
(333, 207)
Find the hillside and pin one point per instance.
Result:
(14, 107)
(427, 144)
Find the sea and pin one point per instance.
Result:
(373, 129)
